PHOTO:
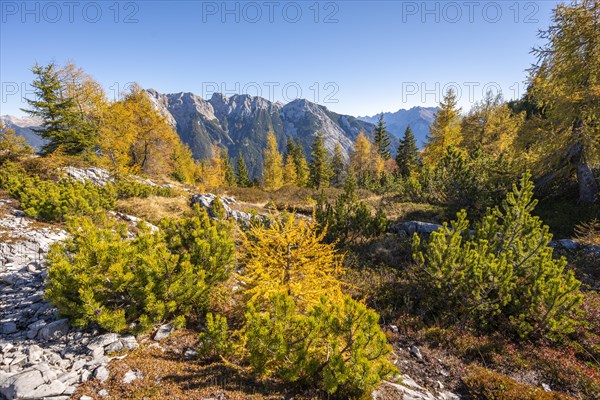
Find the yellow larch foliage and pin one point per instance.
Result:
(445, 129)
(290, 176)
(272, 164)
(287, 256)
(134, 137)
(213, 170)
(365, 158)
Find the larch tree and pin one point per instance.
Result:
(12, 146)
(135, 138)
(288, 257)
(290, 176)
(214, 169)
(565, 82)
(89, 98)
(491, 126)
(445, 129)
(365, 161)
(302, 170)
(381, 139)
(408, 157)
(320, 169)
(272, 164)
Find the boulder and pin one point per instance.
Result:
(21, 385)
(412, 227)
(414, 350)
(131, 376)
(163, 332)
(101, 373)
(54, 330)
(205, 200)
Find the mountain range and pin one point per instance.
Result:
(240, 123)
(419, 119)
(24, 126)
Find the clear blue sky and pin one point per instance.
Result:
(355, 57)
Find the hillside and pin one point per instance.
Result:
(24, 126)
(241, 123)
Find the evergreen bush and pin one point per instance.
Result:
(100, 276)
(335, 346)
(502, 275)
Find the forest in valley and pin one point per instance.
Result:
(472, 265)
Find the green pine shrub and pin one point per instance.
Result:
(337, 347)
(217, 209)
(54, 201)
(348, 219)
(127, 188)
(50, 200)
(215, 340)
(473, 181)
(99, 276)
(500, 276)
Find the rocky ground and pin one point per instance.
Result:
(41, 355)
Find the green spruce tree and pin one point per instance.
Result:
(320, 169)
(338, 167)
(382, 139)
(290, 149)
(408, 158)
(230, 179)
(242, 172)
(63, 126)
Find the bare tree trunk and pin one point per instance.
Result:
(588, 187)
(574, 159)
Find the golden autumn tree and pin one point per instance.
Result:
(88, 96)
(116, 137)
(445, 129)
(290, 176)
(491, 125)
(214, 169)
(272, 164)
(135, 138)
(565, 83)
(299, 326)
(288, 257)
(365, 160)
(302, 169)
(12, 146)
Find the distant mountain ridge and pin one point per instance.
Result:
(24, 126)
(241, 123)
(419, 119)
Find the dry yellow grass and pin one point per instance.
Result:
(154, 208)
